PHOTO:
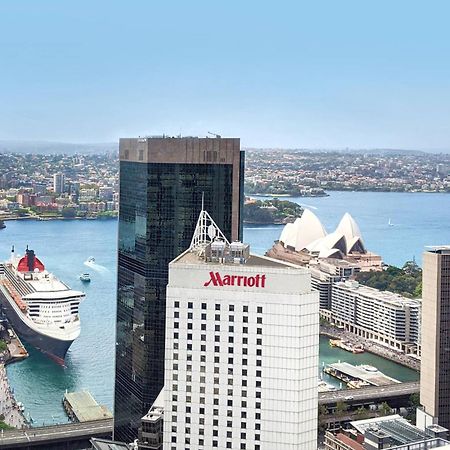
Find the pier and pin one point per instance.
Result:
(82, 407)
(358, 376)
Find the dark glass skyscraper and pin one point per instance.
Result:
(163, 182)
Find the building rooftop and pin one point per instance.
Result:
(84, 407)
(366, 373)
(443, 249)
(106, 444)
(384, 296)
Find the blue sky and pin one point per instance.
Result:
(316, 74)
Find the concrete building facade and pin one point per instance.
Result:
(242, 348)
(435, 364)
(388, 318)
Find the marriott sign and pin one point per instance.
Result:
(216, 279)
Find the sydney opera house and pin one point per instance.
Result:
(305, 241)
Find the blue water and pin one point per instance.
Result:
(64, 246)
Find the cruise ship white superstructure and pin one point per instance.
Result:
(42, 309)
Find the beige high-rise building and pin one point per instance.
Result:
(435, 365)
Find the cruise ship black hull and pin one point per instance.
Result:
(54, 348)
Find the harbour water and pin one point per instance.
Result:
(64, 247)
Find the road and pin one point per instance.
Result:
(369, 393)
(55, 432)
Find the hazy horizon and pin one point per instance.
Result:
(293, 74)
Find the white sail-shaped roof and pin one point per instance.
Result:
(350, 229)
(330, 244)
(287, 236)
(309, 228)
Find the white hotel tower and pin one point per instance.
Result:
(242, 349)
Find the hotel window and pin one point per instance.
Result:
(202, 358)
(201, 431)
(259, 320)
(229, 434)
(215, 433)
(217, 307)
(258, 352)
(231, 329)
(216, 359)
(259, 331)
(176, 304)
(231, 308)
(203, 326)
(259, 309)
(216, 327)
(176, 325)
(245, 340)
(245, 330)
(176, 314)
(244, 351)
(203, 305)
(245, 308)
(230, 339)
(189, 325)
(258, 341)
(230, 361)
(245, 319)
(229, 413)
(217, 349)
(203, 348)
(229, 424)
(203, 316)
(190, 305)
(229, 445)
(216, 338)
(190, 315)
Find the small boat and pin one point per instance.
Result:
(91, 260)
(85, 277)
(390, 223)
(20, 406)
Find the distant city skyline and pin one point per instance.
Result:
(291, 75)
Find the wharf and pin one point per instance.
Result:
(16, 350)
(358, 376)
(82, 407)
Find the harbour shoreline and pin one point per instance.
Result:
(371, 347)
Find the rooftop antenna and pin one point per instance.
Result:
(206, 231)
(218, 136)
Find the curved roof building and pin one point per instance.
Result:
(303, 231)
(308, 234)
(350, 229)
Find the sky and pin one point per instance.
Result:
(288, 74)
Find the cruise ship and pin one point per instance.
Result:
(42, 309)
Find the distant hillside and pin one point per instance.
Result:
(43, 147)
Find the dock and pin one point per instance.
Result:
(358, 376)
(82, 407)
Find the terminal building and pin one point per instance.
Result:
(385, 317)
(242, 349)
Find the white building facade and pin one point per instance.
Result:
(242, 354)
(389, 318)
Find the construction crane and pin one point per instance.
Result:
(215, 135)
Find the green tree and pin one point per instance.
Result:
(362, 413)
(68, 212)
(341, 408)
(385, 409)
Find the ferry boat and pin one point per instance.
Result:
(42, 309)
(85, 277)
(347, 345)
